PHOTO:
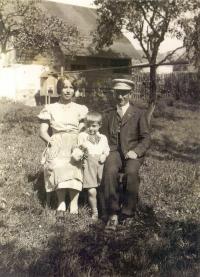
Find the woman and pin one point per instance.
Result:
(65, 118)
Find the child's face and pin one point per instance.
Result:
(93, 127)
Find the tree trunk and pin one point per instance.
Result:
(150, 110)
(152, 95)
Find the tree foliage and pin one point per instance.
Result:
(25, 26)
(148, 21)
(192, 39)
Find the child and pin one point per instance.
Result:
(98, 150)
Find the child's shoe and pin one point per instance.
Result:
(95, 216)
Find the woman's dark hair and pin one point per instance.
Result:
(60, 83)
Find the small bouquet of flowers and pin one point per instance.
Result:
(79, 153)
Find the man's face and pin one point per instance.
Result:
(122, 97)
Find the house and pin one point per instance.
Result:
(184, 64)
(26, 77)
(119, 54)
(179, 63)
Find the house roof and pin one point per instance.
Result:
(85, 20)
(179, 56)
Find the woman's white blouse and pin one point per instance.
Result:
(64, 117)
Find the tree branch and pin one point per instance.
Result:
(149, 22)
(139, 36)
(165, 25)
(170, 54)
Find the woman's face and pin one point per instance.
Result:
(68, 91)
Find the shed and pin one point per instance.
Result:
(48, 84)
(48, 87)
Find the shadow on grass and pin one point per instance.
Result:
(156, 124)
(39, 187)
(185, 153)
(190, 107)
(146, 246)
(167, 115)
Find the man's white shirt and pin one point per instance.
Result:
(123, 109)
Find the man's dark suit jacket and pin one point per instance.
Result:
(134, 130)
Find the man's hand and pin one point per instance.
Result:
(131, 155)
(102, 159)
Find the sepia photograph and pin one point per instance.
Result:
(99, 138)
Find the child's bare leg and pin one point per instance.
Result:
(73, 206)
(61, 193)
(92, 199)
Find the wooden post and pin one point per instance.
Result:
(62, 71)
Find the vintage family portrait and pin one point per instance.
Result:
(99, 138)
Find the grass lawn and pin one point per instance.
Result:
(162, 240)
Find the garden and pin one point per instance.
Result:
(163, 239)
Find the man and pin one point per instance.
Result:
(128, 135)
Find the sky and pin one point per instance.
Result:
(168, 45)
(84, 3)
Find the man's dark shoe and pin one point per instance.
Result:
(112, 223)
(104, 218)
(125, 219)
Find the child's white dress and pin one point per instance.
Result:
(93, 170)
(59, 170)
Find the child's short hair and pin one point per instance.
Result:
(93, 117)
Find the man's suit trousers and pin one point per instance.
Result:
(113, 165)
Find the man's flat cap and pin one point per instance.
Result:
(122, 84)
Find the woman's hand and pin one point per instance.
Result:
(102, 158)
